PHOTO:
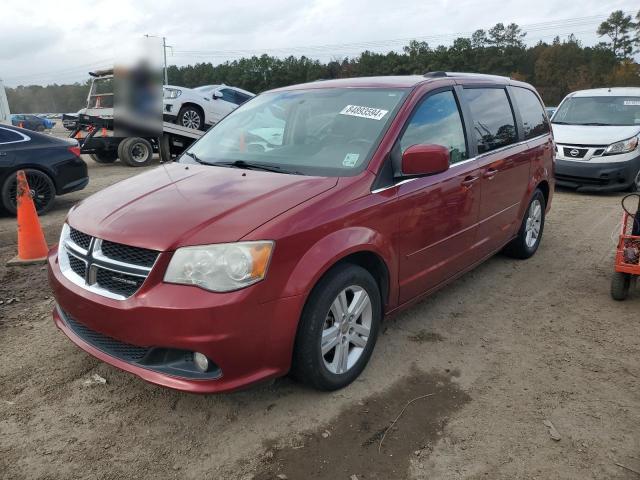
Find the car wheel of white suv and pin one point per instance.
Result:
(191, 117)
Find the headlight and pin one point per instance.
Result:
(624, 146)
(222, 267)
(172, 93)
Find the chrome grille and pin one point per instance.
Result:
(127, 254)
(81, 239)
(106, 268)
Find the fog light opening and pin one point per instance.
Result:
(201, 361)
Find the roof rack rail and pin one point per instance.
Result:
(438, 74)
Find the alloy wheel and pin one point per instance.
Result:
(39, 187)
(191, 119)
(533, 223)
(346, 330)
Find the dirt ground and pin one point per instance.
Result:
(486, 360)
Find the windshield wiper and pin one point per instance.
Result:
(597, 124)
(255, 166)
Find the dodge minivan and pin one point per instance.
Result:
(281, 239)
(597, 134)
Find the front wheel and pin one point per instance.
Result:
(620, 283)
(191, 117)
(338, 328)
(530, 233)
(635, 186)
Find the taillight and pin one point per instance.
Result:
(75, 150)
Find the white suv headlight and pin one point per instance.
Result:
(172, 93)
(624, 146)
(221, 267)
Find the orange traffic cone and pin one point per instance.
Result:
(32, 247)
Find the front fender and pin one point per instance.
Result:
(334, 247)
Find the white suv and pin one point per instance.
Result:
(597, 133)
(201, 107)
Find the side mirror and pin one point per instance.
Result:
(216, 95)
(425, 160)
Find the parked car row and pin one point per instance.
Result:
(32, 122)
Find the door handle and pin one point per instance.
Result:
(490, 173)
(469, 181)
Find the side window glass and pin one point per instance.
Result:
(534, 119)
(437, 121)
(7, 136)
(493, 121)
(228, 95)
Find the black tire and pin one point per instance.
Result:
(309, 363)
(522, 247)
(191, 117)
(136, 152)
(165, 148)
(104, 157)
(41, 186)
(620, 283)
(635, 185)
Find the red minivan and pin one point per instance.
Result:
(279, 241)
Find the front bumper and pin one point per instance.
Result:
(588, 176)
(247, 341)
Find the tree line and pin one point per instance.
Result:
(554, 68)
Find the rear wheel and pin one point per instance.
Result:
(620, 283)
(43, 191)
(530, 233)
(104, 157)
(136, 152)
(338, 328)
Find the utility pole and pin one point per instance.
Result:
(164, 53)
(164, 50)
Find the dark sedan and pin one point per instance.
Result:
(53, 166)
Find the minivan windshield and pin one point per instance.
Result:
(323, 131)
(619, 110)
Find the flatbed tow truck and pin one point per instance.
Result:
(98, 138)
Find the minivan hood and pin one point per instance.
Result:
(592, 134)
(177, 205)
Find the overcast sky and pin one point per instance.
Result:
(59, 41)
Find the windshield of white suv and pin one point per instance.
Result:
(328, 132)
(605, 111)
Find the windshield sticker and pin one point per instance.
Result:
(364, 112)
(632, 102)
(350, 159)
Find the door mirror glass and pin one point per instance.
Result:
(425, 160)
(216, 95)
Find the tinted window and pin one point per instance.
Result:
(437, 121)
(229, 95)
(241, 98)
(9, 136)
(532, 113)
(493, 121)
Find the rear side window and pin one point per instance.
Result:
(493, 123)
(437, 121)
(533, 118)
(7, 136)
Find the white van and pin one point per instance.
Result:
(5, 114)
(597, 134)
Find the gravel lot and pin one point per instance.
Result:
(504, 348)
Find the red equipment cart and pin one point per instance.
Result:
(628, 251)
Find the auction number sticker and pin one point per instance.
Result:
(350, 159)
(632, 102)
(364, 112)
